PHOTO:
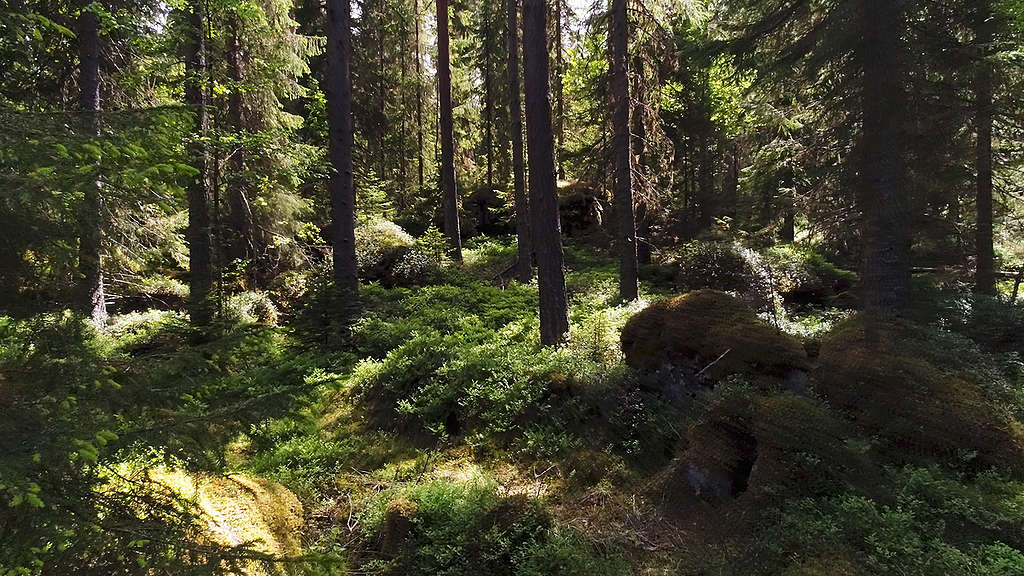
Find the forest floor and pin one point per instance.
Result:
(435, 436)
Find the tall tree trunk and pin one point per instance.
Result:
(730, 192)
(488, 104)
(619, 36)
(559, 90)
(339, 117)
(524, 266)
(199, 190)
(546, 230)
(985, 278)
(242, 243)
(419, 97)
(788, 180)
(403, 168)
(91, 298)
(639, 136)
(450, 196)
(883, 195)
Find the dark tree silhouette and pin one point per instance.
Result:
(449, 193)
(90, 270)
(199, 241)
(619, 36)
(524, 265)
(546, 232)
(339, 109)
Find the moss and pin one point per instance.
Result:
(242, 510)
(768, 444)
(910, 395)
(398, 523)
(693, 330)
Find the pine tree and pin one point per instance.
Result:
(199, 229)
(984, 24)
(92, 301)
(449, 193)
(341, 185)
(621, 148)
(546, 232)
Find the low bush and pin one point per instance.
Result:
(803, 276)
(388, 254)
(249, 308)
(725, 266)
(447, 527)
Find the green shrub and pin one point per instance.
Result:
(249, 308)
(727, 267)
(803, 276)
(449, 527)
(925, 524)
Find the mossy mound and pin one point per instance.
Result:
(692, 331)
(767, 444)
(241, 510)
(906, 391)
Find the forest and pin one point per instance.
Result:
(512, 287)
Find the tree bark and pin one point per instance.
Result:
(559, 91)
(339, 117)
(619, 36)
(419, 97)
(242, 243)
(449, 193)
(524, 265)
(199, 229)
(546, 230)
(883, 194)
(985, 278)
(488, 104)
(639, 137)
(91, 297)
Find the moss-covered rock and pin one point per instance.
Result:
(398, 524)
(768, 444)
(692, 331)
(906, 391)
(240, 510)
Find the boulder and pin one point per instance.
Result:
(710, 335)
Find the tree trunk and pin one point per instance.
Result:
(199, 230)
(621, 150)
(339, 116)
(242, 243)
(488, 104)
(91, 298)
(419, 97)
(639, 137)
(788, 180)
(449, 193)
(985, 278)
(545, 229)
(524, 266)
(559, 91)
(883, 195)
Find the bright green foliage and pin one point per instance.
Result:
(464, 527)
